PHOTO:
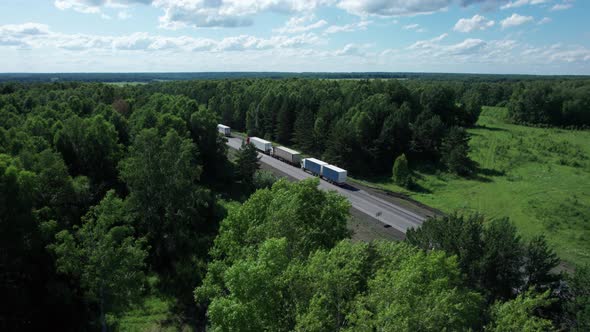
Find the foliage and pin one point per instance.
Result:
(518, 314)
(264, 179)
(172, 208)
(104, 254)
(415, 291)
(401, 172)
(247, 163)
(578, 307)
(455, 152)
(90, 147)
(540, 260)
(491, 254)
(564, 104)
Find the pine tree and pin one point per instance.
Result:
(303, 130)
(455, 152)
(247, 162)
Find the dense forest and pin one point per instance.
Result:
(105, 188)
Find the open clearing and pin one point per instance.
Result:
(539, 178)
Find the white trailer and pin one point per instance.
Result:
(261, 145)
(224, 130)
(291, 156)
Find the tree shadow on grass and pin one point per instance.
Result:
(485, 174)
(415, 187)
(489, 128)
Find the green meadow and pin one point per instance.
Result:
(538, 177)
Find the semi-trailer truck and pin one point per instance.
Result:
(334, 174)
(224, 130)
(314, 166)
(262, 145)
(288, 155)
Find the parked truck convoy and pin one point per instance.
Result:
(329, 172)
(288, 155)
(224, 130)
(316, 167)
(261, 145)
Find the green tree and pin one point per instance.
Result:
(472, 103)
(491, 254)
(415, 291)
(455, 151)
(578, 306)
(503, 258)
(401, 172)
(104, 254)
(539, 262)
(308, 218)
(247, 162)
(328, 285)
(519, 314)
(90, 147)
(264, 179)
(174, 212)
(456, 235)
(257, 292)
(303, 130)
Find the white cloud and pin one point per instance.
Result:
(562, 6)
(520, 3)
(361, 25)
(299, 24)
(428, 43)
(94, 6)
(123, 15)
(393, 7)
(32, 35)
(515, 20)
(477, 22)
(353, 49)
(545, 20)
(468, 50)
(226, 13)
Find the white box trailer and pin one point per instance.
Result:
(334, 174)
(261, 145)
(224, 130)
(291, 156)
(313, 165)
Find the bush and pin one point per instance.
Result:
(264, 179)
(401, 172)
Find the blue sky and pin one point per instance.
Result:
(481, 36)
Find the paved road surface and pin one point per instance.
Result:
(391, 214)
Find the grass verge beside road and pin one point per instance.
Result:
(538, 177)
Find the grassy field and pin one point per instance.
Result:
(153, 314)
(539, 178)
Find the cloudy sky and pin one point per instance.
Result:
(482, 36)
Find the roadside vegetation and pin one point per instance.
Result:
(538, 177)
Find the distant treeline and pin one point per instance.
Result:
(361, 125)
(565, 103)
(155, 77)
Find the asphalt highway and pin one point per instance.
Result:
(386, 212)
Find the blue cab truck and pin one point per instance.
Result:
(312, 165)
